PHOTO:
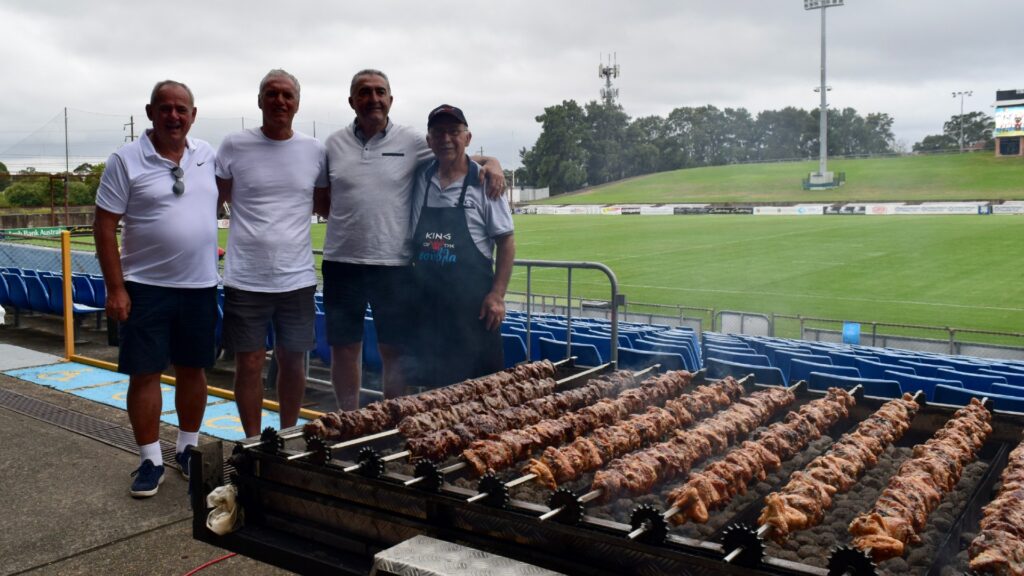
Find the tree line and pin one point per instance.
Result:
(29, 188)
(597, 143)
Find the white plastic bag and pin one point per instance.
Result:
(225, 517)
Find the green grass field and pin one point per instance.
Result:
(971, 176)
(958, 271)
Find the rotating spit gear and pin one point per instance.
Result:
(432, 477)
(850, 560)
(497, 491)
(270, 441)
(654, 524)
(320, 451)
(744, 538)
(370, 463)
(571, 508)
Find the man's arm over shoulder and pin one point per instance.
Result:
(493, 174)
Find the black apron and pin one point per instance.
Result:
(452, 279)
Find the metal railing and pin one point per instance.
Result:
(615, 298)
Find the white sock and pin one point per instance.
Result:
(186, 439)
(152, 453)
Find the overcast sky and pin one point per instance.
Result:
(503, 62)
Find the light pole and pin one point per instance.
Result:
(961, 94)
(823, 177)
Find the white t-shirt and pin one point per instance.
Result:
(166, 240)
(371, 191)
(269, 248)
(486, 218)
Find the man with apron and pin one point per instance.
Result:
(460, 291)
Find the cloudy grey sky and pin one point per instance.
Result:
(503, 62)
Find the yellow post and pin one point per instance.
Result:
(69, 315)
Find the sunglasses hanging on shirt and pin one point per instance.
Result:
(179, 180)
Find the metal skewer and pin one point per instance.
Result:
(447, 470)
(347, 443)
(511, 484)
(263, 442)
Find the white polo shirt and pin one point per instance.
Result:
(371, 191)
(166, 240)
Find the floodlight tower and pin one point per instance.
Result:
(823, 177)
(608, 94)
(961, 94)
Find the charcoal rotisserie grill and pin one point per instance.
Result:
(311, 516)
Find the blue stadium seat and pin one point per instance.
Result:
(876, 370)
(846, 358)
(783, 359)
(801, 370)
(922, 368)
(371, 354)
(1007, 390)
(954, 395)
(99, 290)
(678, 348)
(1012, 378)
(762, 374)
(752, 359)
(55, 292)
(554, 350)
(972, 381)
(515, 349)
(558, 332)
(912, 383)
(5, 298)
(323, 349)
(602, 343)
(632, 359)
(38, 297)
(878, 388)
(534, 340)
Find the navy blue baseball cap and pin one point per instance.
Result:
(446, 110)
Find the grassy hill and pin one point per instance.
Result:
(970, 176)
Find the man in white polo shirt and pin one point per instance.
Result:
(162, 287)
(269, 175)
(366, 250)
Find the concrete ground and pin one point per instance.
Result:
(64, 502)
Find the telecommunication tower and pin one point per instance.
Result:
(608, 94)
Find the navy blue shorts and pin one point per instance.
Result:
(168, 326)
(348, 288)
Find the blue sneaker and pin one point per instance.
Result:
(183, 458)
(147, 480)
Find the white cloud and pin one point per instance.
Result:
(503, 62)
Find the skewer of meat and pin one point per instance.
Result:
(902, 509)
(558, 465)
(999, 547)
(802, 502)
(638, 472)
(380, 416)
(507, 448)
(439, 445)
(716, 485)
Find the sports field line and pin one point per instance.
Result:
(829, 297)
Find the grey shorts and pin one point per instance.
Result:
(248, 316)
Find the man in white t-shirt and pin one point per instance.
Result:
(162, 287)
(371, 163)
(269, 175)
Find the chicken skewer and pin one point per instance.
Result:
(647, 427)
(716, 484)
(638, 471)
(527, 387)
(902, 509)
(440, 445)
(380, 416)
(802, 502)
(999, 547)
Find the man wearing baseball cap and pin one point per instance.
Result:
(463, 250)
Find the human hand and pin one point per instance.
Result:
(492, 311)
